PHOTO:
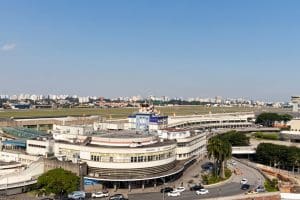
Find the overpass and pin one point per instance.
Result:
(244, 150)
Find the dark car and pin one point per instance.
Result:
(166, 190)
(207, 166)
(116, 197)
(196, 187)
(245, 186)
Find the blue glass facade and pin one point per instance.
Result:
(143, 120)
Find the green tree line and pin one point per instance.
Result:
(279, 156)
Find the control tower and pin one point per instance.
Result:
(296, 103)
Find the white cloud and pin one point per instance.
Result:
(8, 47)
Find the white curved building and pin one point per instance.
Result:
(124, 159)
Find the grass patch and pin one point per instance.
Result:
(266, 136)
(271, 186)
(124, 112)
(212, 178)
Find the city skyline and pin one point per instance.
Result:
(172, 48)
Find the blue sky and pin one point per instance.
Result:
(175, 48)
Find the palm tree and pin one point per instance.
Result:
(225, 155)
(213, 151)
(220, 150)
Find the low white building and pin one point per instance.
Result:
(111, 125)
(39, 147)
(73, 130)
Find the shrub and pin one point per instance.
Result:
(267, 136)
(271, 186)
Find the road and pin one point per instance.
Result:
(229, 189)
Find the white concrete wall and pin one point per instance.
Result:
(17, 157)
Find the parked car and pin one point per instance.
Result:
(244, 181)
(76, 195)
(233, 163)
(260, 188)
(202, 191)
(179, 189)
(196, 187)
(207, 166)
(166, 190)
(117, 197)
(99, 194)
(245, 186)
(173, 194)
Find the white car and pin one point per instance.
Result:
(174, 194)
(202, 191)
(99, 194)
(76, 195)
(179, 189)
(244, 181)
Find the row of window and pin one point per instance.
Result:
(150, 158)
(133, 159)
(37, 146)
(194, 152)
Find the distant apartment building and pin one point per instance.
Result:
(296, 103)
(294, 133)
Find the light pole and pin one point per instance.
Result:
(164, 182)
(80, 174)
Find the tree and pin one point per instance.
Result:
(235, 138)
(268, 119)
(58, 181)
(220, 150)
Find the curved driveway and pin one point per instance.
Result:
(228, 189)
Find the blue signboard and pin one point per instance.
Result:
(88, 181)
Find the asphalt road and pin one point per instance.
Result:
(229, 189)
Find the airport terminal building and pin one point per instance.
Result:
(126, 159)
(122, 158)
